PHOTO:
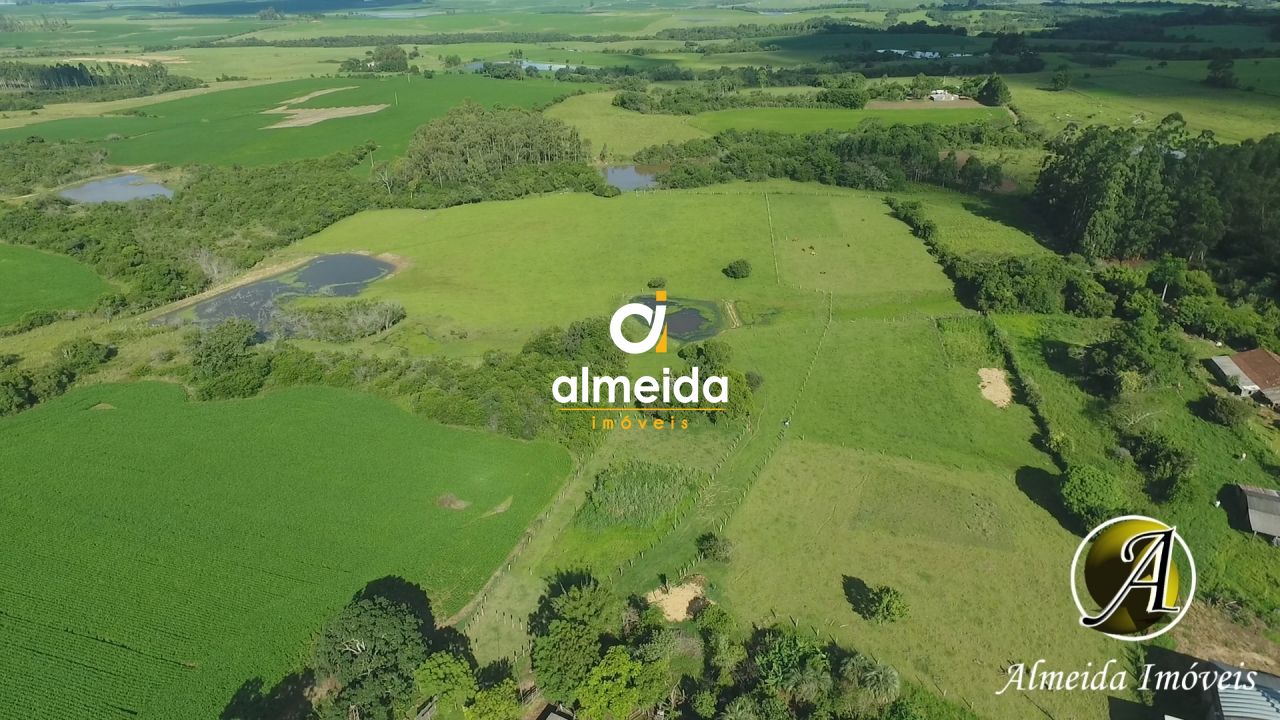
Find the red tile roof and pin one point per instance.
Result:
(1261, 366)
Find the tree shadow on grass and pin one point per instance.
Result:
(287, 700)
(1041, 486)
(858, 593)
(1010, 211)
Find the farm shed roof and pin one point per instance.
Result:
(1263, 506)
(1262, 702)
(1226, 367)
(1259, 365)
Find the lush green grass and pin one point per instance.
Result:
(896, 471)
(34, 280)
(823, 498)
(621, 132)
(803, 120)
(1128, 94)
(184, 548)
(471, 283)
(228, 127)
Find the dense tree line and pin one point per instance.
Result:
(1125, 193)
(871, 156)
(30, 86)
(474, 145)
(607, 657)
(382, 59)
(34, 163)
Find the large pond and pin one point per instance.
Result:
(526, 64)
(688, 320)
(121, 188)
(633, 177)
(341, 275)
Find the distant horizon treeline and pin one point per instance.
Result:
(30, 86)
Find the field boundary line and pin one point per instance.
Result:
(474, 607)
(773, 243)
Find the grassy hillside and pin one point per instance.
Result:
(862, 347)
(214, 538)
(33, 280)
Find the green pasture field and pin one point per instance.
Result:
(621, 132)
(1128, 94)
(475, 275)
(838, 286)
(182, 549)
(35, 280)
(228, 127)
(942, 510)
(805, 120)
(93, 35)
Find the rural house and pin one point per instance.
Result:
(1254, 372)
(1262, 508)
(943, 96)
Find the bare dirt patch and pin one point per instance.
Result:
(103, 406)
(677, 601)
(303, 98)
(306, 117)
(732, 311)
(1207, 632)
(994, 385)
(922, 104)
(452, 502)
(500, 508)
(399, 261)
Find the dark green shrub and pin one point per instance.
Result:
(885, 604)
(715, 548)
(1090, 495)
(1231, 412)
(738, 269)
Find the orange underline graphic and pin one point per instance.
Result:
(642, 409)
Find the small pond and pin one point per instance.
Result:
(342, 275)
(539, 66)
(633, 177)
(688, 320)
(121, 188)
